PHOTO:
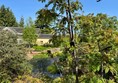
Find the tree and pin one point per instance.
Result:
(21, 23)
(63, 11)
(97, 48)
(29, 33)
(13, 61)
(44, 21)
(56, 40)
(46, 30)
(7, 17)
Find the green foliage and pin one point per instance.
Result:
(40, 48)
(57, 80)
(27, 78)
(45, 78)
(91, 78)
(29, 33)
(39, 56)
(56, 40)
(21, 23)
(44, 17)
(46, 31)
(12, 58)
(7, 17)
(96, 50)
(96, 42)
(66, 79)
(61, 15)
(97, 33)
(52, 69)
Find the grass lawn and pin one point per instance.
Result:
(43, 55)
(40, 48)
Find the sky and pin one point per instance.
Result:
(28, 8)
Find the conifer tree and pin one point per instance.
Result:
(7, 17)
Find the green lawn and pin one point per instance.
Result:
(43, 55)
(40, 48)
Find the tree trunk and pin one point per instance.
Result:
(71, 32)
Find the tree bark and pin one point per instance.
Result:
(72, 43)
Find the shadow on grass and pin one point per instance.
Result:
(40, 64)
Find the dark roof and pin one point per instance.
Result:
(19, 30)
(15, 29)
(45, 36)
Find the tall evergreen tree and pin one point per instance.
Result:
(7, 17)
(21, 23)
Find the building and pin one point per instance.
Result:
(41, 40)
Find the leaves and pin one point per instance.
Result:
(106, 69)
(29, 32)
(12, 58)
(95, 48)
(45, 17)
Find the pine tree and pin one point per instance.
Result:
(21, 23)
(7, 17)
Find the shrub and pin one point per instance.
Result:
(28, 79)
(52, 69)
(13, 62)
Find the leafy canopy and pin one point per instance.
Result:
(29, 33)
